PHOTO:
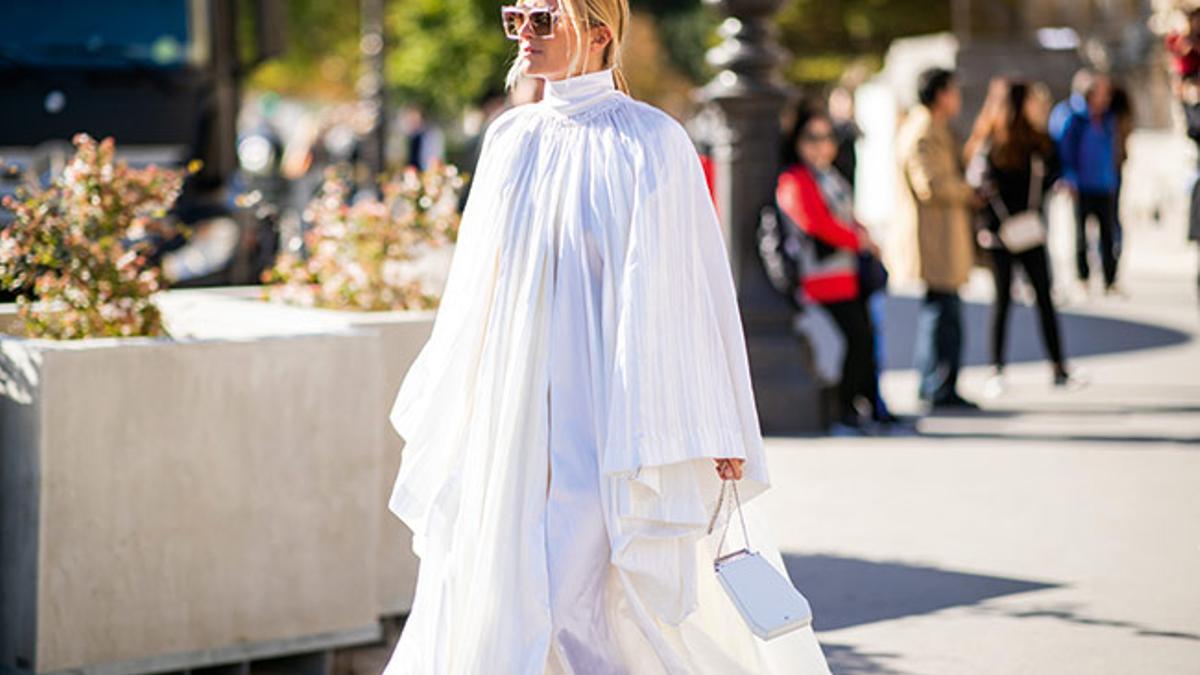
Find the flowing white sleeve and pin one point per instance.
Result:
(680, 389)
(432, 405)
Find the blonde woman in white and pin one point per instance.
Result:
(583, 394)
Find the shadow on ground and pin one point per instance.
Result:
(1072, 614)
(847, 592)
(849, 660)
(1082, 335)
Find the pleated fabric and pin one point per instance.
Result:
(585, 366)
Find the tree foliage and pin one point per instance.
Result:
(446, 54)
(322, 51)
(824, 36)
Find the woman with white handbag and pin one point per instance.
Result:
(584, 400)
(1016, 163)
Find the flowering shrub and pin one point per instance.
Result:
(82, 244)
(373, 254)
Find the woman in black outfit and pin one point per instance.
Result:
(1012, 149)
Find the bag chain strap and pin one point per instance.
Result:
(717, 511)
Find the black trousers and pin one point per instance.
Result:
(1037, 269)
(858, 366)
(1104, 207)
(1191, 115)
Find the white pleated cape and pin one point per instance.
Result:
(670, 391)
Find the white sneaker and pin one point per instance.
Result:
(1075, 379)
(995, 386)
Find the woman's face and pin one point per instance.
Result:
(1037, 108)
(550, 56)
(817, 145)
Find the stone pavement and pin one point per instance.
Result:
(1053, 532)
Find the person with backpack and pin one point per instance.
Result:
(842, 269)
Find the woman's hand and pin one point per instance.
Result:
(866, 244)
(730, 468)
(987, 239)
(873, 249)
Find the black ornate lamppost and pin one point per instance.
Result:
(747, 101)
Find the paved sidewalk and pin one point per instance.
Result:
(1054, 532)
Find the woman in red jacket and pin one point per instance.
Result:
(818, 200)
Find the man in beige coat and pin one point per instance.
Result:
(933, 174)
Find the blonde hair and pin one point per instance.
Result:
(587, 14)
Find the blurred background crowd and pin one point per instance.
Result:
(1024, 103)
(1022, 172)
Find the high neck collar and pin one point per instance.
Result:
(579, 92)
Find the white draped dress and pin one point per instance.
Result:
(586, 365)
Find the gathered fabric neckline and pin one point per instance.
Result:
(579, 93)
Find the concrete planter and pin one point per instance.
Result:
(400, 336)
(218, 497)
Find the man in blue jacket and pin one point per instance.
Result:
(1076, 103)
(1089, 160)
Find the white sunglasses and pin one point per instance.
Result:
(541, 19)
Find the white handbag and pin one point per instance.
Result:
(766, 599)
(1023, 231)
